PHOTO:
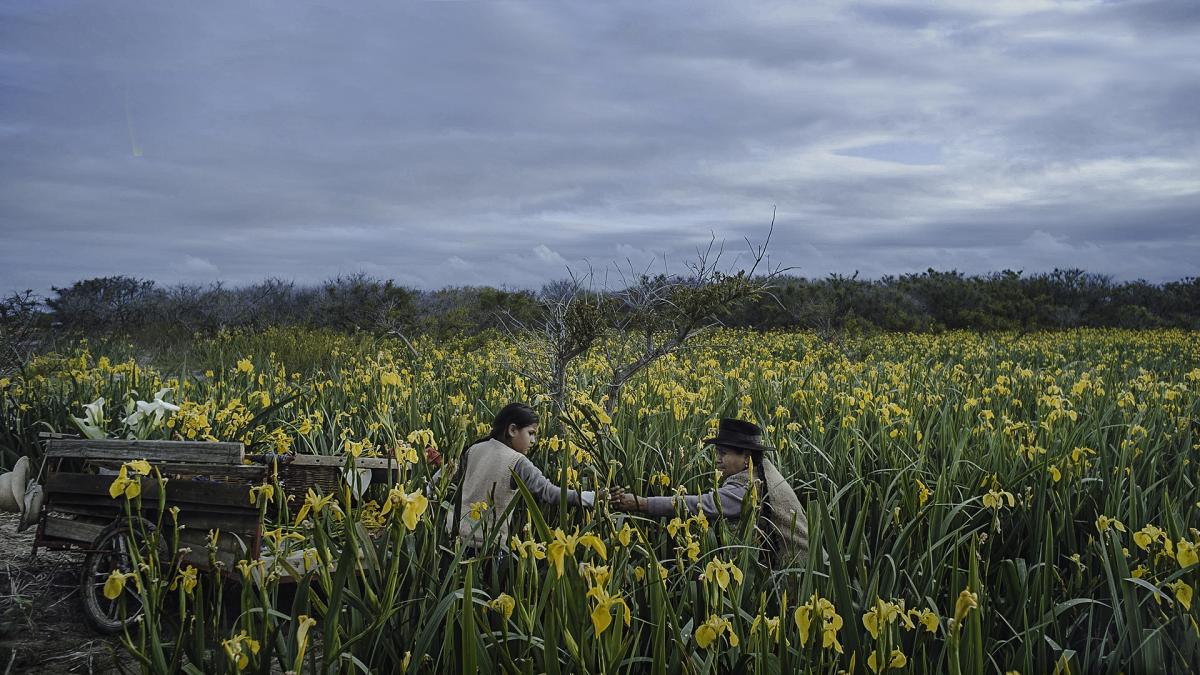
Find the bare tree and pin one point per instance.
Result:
(574, 316)
(394, 319)
(648, 317)
(659, 314)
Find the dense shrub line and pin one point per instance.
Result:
(928, 301)
(1007, 300)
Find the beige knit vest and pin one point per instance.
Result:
(787, 518)
(781, 519)
(488, 479)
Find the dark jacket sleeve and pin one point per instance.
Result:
(723, 502)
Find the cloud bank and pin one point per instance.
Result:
(502, 142)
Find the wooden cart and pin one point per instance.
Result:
(209, 483)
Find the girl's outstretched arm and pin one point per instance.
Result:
(545, 489)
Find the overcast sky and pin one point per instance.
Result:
(498, 143)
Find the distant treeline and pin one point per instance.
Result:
(935, 301)
(929, 301)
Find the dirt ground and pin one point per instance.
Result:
(42, 629)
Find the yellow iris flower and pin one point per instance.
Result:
(994, 499)
(896, 660)
(315, 504)
(923, 493)
(239, 648)
(1186, 554)
(1183, 593)
(139, 466)
(676, 525)
(712, 629)
(115, 583)
(770, 623)
(1148, 535)
(722, 572)
(413, 505)
(602, 612)
(534, 549)
(477, 509)
(505, 604)
(880, 616)
(564, 544)
(966, 602)
(124, 484)
(803, 618)
(831, 622)
(927, 618)
(304, 624)
(186, 578)
(266, 491)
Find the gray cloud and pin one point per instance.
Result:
(450, 143)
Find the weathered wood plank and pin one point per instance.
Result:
(242, 473)
(231, 547)
(211, 493)
(91, 510)
(342, 460)
(193, 528)
(153, 451)
(208, 516)
(234, 542)
(72, 530)
(241, 525)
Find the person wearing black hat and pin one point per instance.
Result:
(739, 446)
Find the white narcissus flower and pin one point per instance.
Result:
(156, 410)
(92, 423)
(94, 411)
(133, 418)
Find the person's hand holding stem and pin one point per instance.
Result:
(620, 500)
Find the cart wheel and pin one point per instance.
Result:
(113, 549)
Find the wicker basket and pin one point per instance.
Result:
(296, 480)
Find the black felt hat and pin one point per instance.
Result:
(736, 433)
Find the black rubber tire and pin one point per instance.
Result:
(111, 551)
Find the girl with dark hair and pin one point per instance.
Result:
(488, 473)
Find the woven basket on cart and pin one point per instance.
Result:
(324, 474)
(297, 478)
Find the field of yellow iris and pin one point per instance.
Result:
(971, 495)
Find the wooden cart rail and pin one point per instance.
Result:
(230, 454)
